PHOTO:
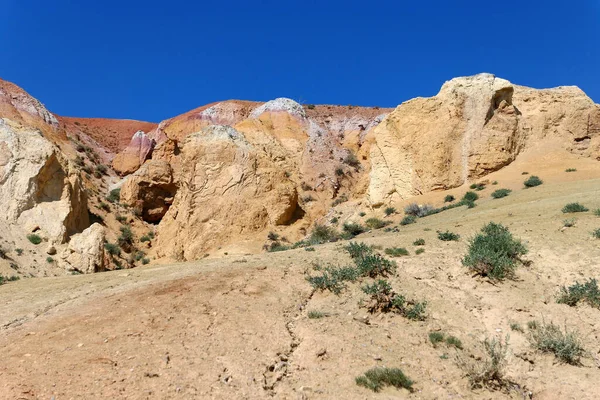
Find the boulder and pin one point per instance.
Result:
(133, 156)
(85, 251)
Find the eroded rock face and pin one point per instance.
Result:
(85, 251)
(133, 156)
(473, 126)
(226, 188)
(150, 190)
(36, 190)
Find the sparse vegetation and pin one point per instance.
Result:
(362, 214)
(494, 252)
(308, 198)
(449, 198)
(549, 338)
(114, 195)
(532, 181)
(573, 208)
(500, 193)
(396, 251)
(436, 338)
(384, 299)
(34, 239)
(448, 236)
(477, 186)
(272, 236)
(322, 234)
(470, 197)
(19, 251)
(144, 238)
(351, 160)
(126, 237)
(376, 223)
(49, 260)
(389, 211)
(439, 337)
(596, 233)
(4, 279)
(454, 341)
(377, 378)
(420, 251)
(516, 327)
(408, 219)
(587, 292)
(569, 223)
(419, 242)
(352, 229)
(313, 314)
(121, 218)
(489, 370)
(112, 249)
(570, 169)
(418, 210)
(104, 206)
(341, 199)
(333, 279)
(145, 260)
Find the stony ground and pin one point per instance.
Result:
(238, 326)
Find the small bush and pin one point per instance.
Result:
(144, 238)
(489, 370)
(145, 261)
(396, 251)
(573, 208)
(351, 160)
(308, 198)
(374, 265)
(49, 260)
(500, 193)
(419, 242)
(339, 171)
(101, 169)
(121, 218)
(477, 186)
(470, 196)
(126, 236)
(277, 246)
(549, 338)
(569, 223)
(322, 234)
(420, 251)
(19, 251)
(377, 378)
(334, 220)
(352, 229)
(376, 223)
(448, 236)
(533, 181)
(104, 206)
(341, 199)
(362, 214)
(316, 314)
(516, 327)
(596, 233)
(494, 252)
(436, 338)
(310, 106)
(408, 219)
(384, 299)
(570, 170)
(35, 239)
(495, 183)
(273, 236)
(597, 212)
(150, 234)
(418, 210)
(114, 195)
(389, 211)
(358, 250)
(587, 292)
(4, 279)
(112, 249)
(524, 173)
(333, 279)
(449, 198)
(138, 255)
(309, 249)
(454, 341)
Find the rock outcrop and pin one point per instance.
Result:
(85, 251)
(473, 126)
(133, 156)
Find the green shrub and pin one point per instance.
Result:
(4, 279)
(533, 181)
(587, 292)
(470, 196)
(126, 236)
(150, 234)
(35, 239)
(114, 195)
(49, 260)
(500, 193)
(495, 183)
(121, 218)
(448, 236)
(362, 214)
(358, 250)
(549, 338)
(374, 265)
(408, 219)
(101, 169)
(376, 223)
(384, 299)
(310, 106)
(145, 260)
(436, 338)
(419, 242)
(389, 211)
(339, 171)
(144, 238)
(333, 279)
(418, 210)
(524, 173)
(573, 208)
(569, 223)
(309, 249)
(351, 160)
(139, 255)
(104, 206)
(454, 341)
(377, 378)
(570, 170)
(396, 251)
(516, 327)
(334, 220)
(341, 199)
(596, 233)
(449, 198)
(19, 251)
(322, 234)
(273, 236)
(477, 186)
(419, 251)
(112, 249)
(597, 212)
(494, 252)
(352, 229)
(316, 314)
(277, 246)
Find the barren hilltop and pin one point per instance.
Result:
(446, 248)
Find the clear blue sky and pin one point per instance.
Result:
(152, 60)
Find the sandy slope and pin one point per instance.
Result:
(237, 327)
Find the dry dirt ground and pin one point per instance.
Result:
(237, 327)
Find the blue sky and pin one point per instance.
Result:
(152, 60)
